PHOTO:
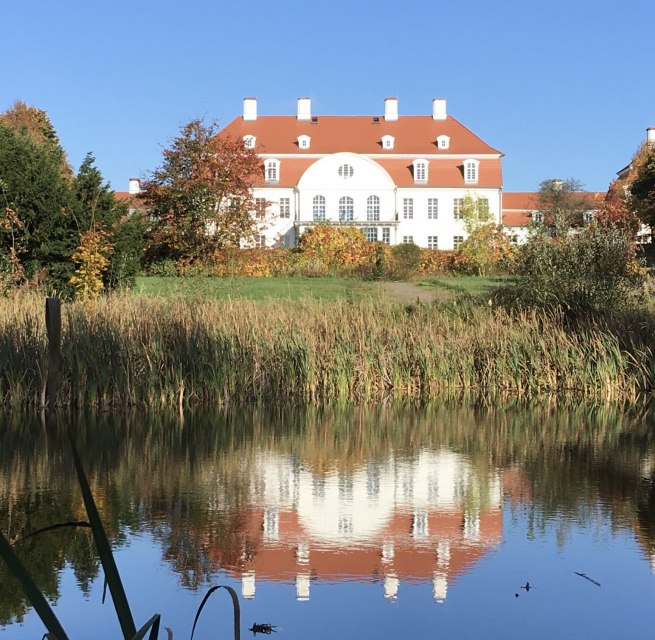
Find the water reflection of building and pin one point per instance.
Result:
(424, 519)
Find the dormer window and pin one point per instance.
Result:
(272, 170)
(443, 142)
(303, 142)
(249, 142)
(471, 171)
(387, 142)
(420, 170)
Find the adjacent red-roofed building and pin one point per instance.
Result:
(521, 209)
(398, 178)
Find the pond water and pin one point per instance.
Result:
(343, 522)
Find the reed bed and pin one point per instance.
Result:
(127, 351)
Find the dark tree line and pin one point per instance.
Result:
(45, 209)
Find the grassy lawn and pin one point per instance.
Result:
(449, 287)
(258, 288)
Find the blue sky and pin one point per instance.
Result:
(563, 88)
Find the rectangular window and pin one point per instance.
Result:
(483, 206)
(271, 171)
(285, 207)
(408, 208)
(457, 241)
(537, 217)
(458, 204)
(386, 235)
(514, 239)
(260, 207)
(433, 242)
(371, 234)
(433, 208)
(260, 242)
(408, 239)
(588, 216)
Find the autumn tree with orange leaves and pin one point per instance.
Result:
(200, 198)
(630, 200)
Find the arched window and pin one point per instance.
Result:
(471, 170)
(318, 208)
(346, 171)
(373, 208)
(420, 171)
(272, 171)
(346, 209)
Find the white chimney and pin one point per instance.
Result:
(439, 109)
(650, 135)
(134, 186)
(391, 108)
(304, 109)
(250, 109)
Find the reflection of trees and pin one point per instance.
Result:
(190, 484)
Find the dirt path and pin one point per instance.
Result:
(407, 292)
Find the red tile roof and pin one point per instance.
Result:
(415, 135)
(517, 206)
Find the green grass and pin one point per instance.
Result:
(450, 287)
(293, 288)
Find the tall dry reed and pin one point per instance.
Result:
(146, 351)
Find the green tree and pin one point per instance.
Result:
(35, 189)
(36, 125)
(486, 246)
(97, 211)
(200, 198)
(562, 204)
(593, 270)
(475, 212)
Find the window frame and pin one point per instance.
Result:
(433, 208)
(458, 203)
(272, 171)
(433, 242)
(304, 141)
(388, 142)
(373, 208)
(318, 208)
(346, 209)
(369, 232)
(285, 207)
(346, 171)
(471, 171)
(408, 208)
(261, 205)
(420, 171)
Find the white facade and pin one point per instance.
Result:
(398, 178)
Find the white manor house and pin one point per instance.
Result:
(398, 178)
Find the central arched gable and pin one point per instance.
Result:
(346, 187)
(366, 174)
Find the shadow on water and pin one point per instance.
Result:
(194, 483)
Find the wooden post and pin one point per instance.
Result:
(53, 327)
